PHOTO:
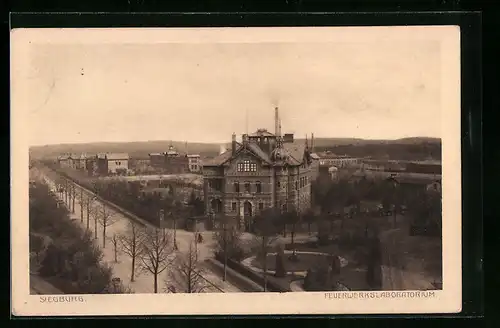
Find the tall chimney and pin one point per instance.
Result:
(233, 143)
(312, 142)
(276, 122)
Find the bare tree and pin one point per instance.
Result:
(186, 274)
(130, 244)
(157, 252)
(115, 242)
(106, 218)
(81, 202)
(73, 196)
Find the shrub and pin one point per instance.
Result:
(71, 260)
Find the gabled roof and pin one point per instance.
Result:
(259, 152)
(296, 152)
(219, 159)
(228, 154)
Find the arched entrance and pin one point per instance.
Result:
(247, 213)
(216, 205)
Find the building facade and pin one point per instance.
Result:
(64, 161)
(112, 163)
(327, 159)
(194, 163)
(262, 171)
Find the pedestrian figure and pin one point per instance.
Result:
(200, 238)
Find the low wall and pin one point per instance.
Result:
(112, 205)
(242, 282)
(273, 285)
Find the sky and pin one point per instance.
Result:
(371, 88)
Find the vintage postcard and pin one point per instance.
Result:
(236, 171)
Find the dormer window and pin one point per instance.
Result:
(266, 140)
(247, 166)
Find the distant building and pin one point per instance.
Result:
(64, 161)
(172, 162)
(263, 171)
(417, 182)
(78, 162)
(175, 163)
(194, 163)
(328, 159)
(383, 165)
(157, 159)
(112, 163)
(333, 172)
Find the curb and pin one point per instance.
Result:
(237, 279)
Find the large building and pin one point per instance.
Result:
(264, 170)
(172, 162)
(112, 163)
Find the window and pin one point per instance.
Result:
(246, 166)
(236, 186)
(265, 140)
(278, 184)
(296, 185)
(233, 206)
(247, 186)
(261, 206)
(258, 187)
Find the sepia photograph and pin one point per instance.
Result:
(189, 171)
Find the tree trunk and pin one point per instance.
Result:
(309, 228)
(175, 233)
(104, 234)
(81, 205)
(284, 230)
(88, 215)
(133, 264)
(225, 254)
(74, 196)
(264, 256)
(293, 239)
(155, 277)
(95, 227)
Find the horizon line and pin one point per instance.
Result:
(218, 142)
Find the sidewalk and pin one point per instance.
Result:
(144, 280)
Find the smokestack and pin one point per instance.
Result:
(312, 142)
(233, 143)
(276, 122)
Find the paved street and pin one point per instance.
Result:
(144, 280)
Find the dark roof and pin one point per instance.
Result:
(115, 156)
(296, 152)
(259, 152)
(261, 133)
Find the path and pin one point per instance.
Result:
(144, 280)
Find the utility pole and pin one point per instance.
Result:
(73, 192)
(81, 205)
(225, 251)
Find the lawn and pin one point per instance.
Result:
(305, 262)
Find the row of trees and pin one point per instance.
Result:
(342, 199)
(151, 250)
(63, 251)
